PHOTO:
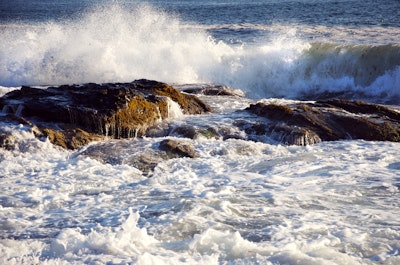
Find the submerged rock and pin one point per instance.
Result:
(178, 148)
(134, 152)
(125, 152)
(7, 140)
(74, 115)
(194, 132)
(308, 123)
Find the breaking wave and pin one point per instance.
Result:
(119, 44)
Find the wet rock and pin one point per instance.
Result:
(190, 104)
(295, 135)
(70, 138)
(178, 148)
(208, 133)
(134, 152)
(125, 152)
(7, 140)
(79, 114)
(213, 90)
(194, 132)
(362, 107)
(185, 131)
(146, 161)
(330, 120)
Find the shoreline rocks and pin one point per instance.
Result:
(74, 115)
(328, 120)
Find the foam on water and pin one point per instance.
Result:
(115, 43)
(332, 203)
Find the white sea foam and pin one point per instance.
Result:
(332, 203)
(112, 43)
(4, 90)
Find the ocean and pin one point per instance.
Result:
(240, 201)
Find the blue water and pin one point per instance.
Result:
(325, 12)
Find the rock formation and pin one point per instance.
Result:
(330, 120)
(73, 115)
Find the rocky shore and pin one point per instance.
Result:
(327, 120)
(72, 116)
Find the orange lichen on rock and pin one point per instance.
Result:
(115, 110)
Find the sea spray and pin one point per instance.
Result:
(105, 44)
(113, 43)
(174, 110)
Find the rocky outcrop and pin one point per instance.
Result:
(330, 120)
(74, 115)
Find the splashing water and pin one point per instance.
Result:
(107, 44)
(114, 43)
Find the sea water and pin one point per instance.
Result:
(240, 201)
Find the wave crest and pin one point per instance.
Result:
(107, 44)
(114, 43)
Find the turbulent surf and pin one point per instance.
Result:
(236, 201)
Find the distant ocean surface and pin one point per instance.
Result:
(240, 202)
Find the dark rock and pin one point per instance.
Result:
(125, 152)
(208, 133)
(70, 138)
(361, 107)
(330, 120)
(272, 111)
(178, 148)
(131, 152)
(186, 131)
(116, 110)
(292, 135)
(213, 90)
(194, 132)
(146, 162)
(7, 140)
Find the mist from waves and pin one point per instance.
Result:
(111, 43)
